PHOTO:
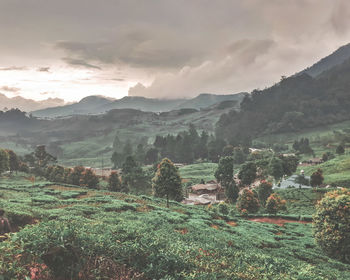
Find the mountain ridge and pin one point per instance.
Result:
(28, 105)
(99, 104)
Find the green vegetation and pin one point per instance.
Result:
(335, 171)
(195, 173)
(167, 181)
(332, 227)
(78, 237)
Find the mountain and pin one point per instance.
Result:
(205, 100)
(28, 104)
(294, 104)
(145, 104)
(88, 105)
(336, 58)
(94, 105)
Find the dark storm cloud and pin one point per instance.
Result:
(181, 47)
(80, 63)
(133, 50)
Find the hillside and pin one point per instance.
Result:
(94, 233)
(336, 58)
(99, 105)
(85, 139)
(295, 103)
(205, 100)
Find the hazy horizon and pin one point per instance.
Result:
(168, 49)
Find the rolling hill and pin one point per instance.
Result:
(99, 105)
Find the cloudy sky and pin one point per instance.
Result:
(170, 48)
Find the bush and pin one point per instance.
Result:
(248, 202)
(264, 191)
(331, 224)
(316, 178)
(223, 208)
(274, 203)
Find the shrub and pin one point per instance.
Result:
(316, 178)
(274, 203)
(331, 224)
(223, 208)
(114, 183)
(231, 191)
(89, 179)
(248, 201)
(264, 190)
(340, 150)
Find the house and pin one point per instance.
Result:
(205, 188)
(312, 161)
(204, 194)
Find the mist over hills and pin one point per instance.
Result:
(98, 104)
(28, 104)
(294, 104)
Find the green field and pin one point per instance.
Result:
(59, 223)
(335, 171)
(194, 173)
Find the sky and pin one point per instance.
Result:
(70, 49)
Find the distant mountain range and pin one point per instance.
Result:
(28, 104)
(93, 105)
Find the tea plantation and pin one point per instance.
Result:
(66, 232)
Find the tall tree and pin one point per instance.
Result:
(116, 143)
(340, 150)
(42, 157)
(133, 177)
(247, 174)
(151, 156)
(167, 181)
(75, 175)
(224, 172)
(89, 179)
(224, 175)
(114, 183)
(140, 154)
(127, 150)
(203, 145)
(276, 168)
(316, 178)
(13, 161)
(4, 161)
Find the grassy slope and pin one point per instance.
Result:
(194, 173)
(335, 171)
(183, 242)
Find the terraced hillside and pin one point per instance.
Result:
(67, 232)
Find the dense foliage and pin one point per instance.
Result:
(295, 103)
(79, 233)
(248, 202)
(316, 178)
(332, 226)
(167, 181)
(264, 190)
(275, 203)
